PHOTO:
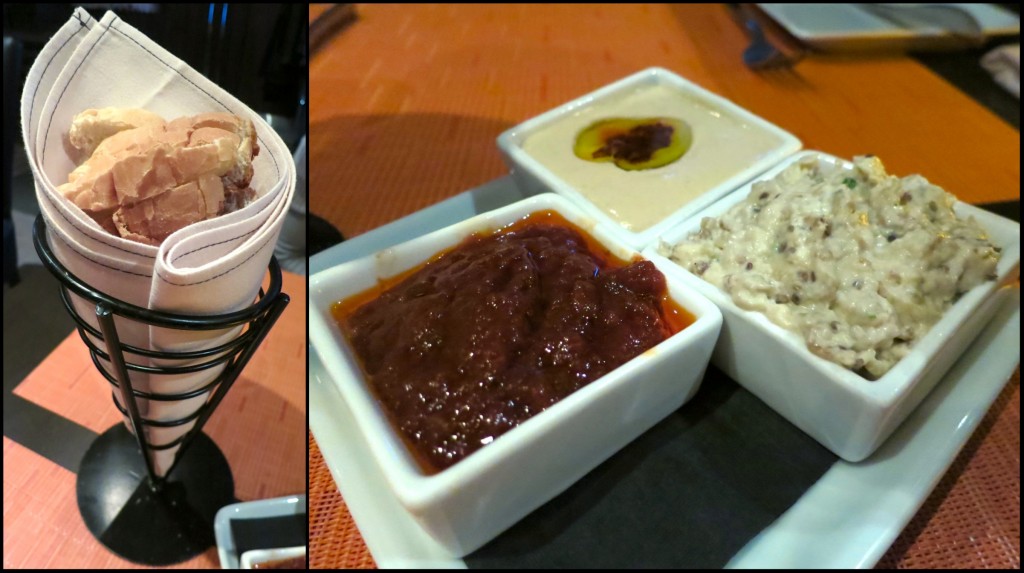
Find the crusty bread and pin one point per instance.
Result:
(92, 126)
(152, 220)
(154, 178)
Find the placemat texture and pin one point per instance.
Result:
(334, 540)
(960, 526)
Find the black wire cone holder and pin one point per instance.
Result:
(143, 517)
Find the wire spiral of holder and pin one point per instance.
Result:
(110, 359)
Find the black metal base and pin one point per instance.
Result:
(145, 526)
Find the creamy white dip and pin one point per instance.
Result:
(722, 146)
(860, 263)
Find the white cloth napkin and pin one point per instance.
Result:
(291, 245)
(1004, 65)
(211, 267)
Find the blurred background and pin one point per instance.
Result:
(257, 52)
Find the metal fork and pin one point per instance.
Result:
(761, 54)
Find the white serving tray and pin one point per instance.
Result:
(849, 518)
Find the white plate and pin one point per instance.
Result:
(278, 506)
(846, 27)
(847, 519)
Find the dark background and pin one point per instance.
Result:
(257, 52)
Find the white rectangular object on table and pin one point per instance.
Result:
(851, 28)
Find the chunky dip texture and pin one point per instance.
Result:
(859, 262)
(500, 328)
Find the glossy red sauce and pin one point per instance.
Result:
(487, 334)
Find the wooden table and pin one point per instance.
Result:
(259, 426)
(406, 104)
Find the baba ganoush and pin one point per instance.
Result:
(859, 262)
(722, 146)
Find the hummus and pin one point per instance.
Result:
(722, 146)
(859, 262)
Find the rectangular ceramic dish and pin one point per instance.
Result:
(471, 502)
(848, 414)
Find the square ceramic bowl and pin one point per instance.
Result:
(471, 502)
(846, 413)
(730, 146)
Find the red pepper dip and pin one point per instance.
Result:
(489, 333)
